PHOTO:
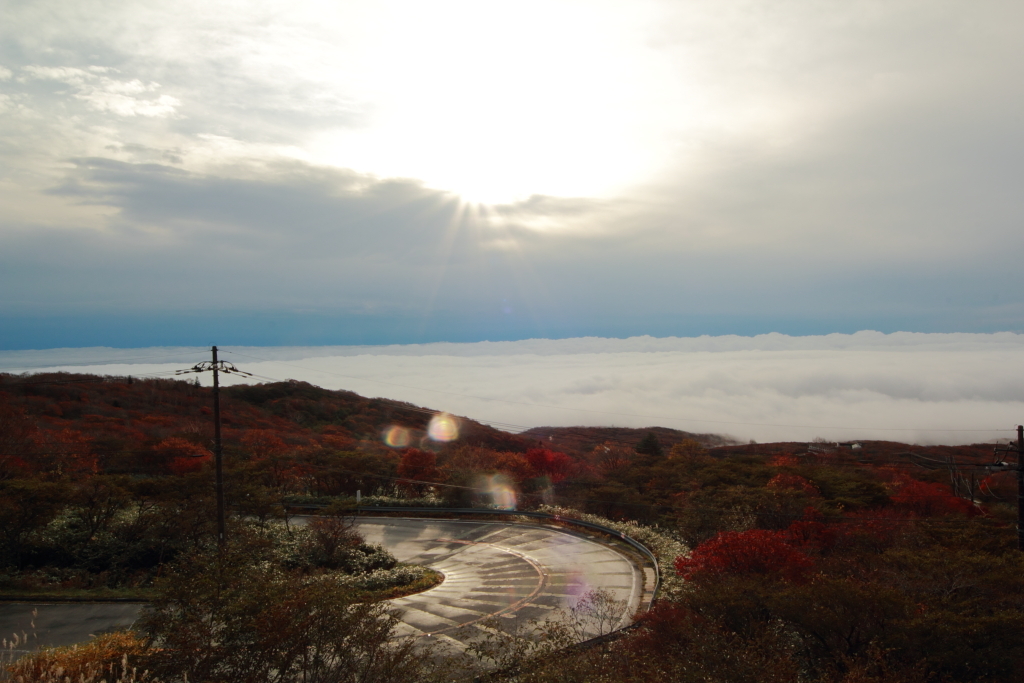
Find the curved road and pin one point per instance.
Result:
(520, 572)
(498, 569)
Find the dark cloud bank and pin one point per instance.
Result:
(299, 254)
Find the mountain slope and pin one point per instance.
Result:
(580, 440)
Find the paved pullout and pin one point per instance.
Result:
(497, 569)
(491, 569)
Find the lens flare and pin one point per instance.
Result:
(443, 427)
(578, 585)
(547, 494)
(397, 437)
(497, 491)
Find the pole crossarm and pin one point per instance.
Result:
(214, 366)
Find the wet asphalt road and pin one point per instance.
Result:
(36, 625)
(492, 570)
(500, 570)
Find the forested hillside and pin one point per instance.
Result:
(822, 562)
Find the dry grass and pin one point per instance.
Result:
(107, 658)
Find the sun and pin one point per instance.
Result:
(498, 102)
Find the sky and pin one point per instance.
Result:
(398, 174)
(389, 172)
(927, 388)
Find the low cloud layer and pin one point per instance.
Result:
(923, 388)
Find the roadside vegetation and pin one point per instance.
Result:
(782, 562)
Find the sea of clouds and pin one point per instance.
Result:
(912, 387)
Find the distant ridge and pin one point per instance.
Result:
(582, 440)
(119, 415)
(348, 413)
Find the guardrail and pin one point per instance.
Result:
(632, 542)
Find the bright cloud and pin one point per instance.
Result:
(104, 93)
(926, 388)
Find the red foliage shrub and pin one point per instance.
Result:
(262, 443)
(793, 482)
(176, 447)
(182, 455)
(878, 528)
(419, 466)
(513, 464)
(812, 533)
(757, 551)
(784, 460)
(183, 466)
(926, 499)
(338, 442)
(552, 464)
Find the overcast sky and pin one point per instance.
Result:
(267, 173)
(483, 196)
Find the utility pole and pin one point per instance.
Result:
(1020, 487)
(1019, 450)
(217, 366)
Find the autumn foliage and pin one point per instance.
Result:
(183, 456)
(551, 464)
(416, 468)
(818, 564)
(928, 499)
(757, 551)
(793, 482)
